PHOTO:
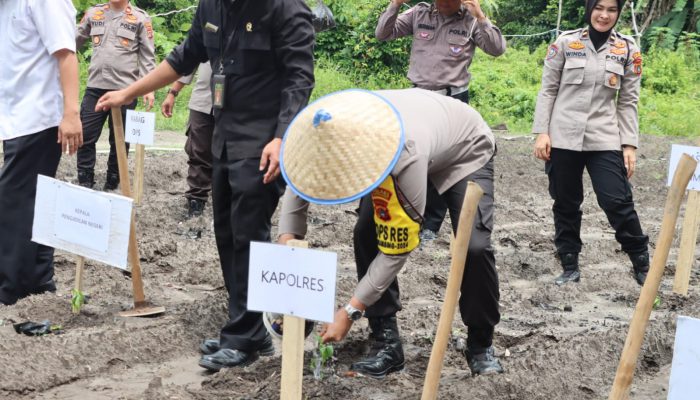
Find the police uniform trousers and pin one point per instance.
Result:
(612, 189)
(243, 208)
(435, 206)
(25, 267)
(93, 121)
(200, 129)
(478, 303)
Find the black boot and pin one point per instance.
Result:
(86, 178)
(640, 266)
(195, 207)
(112, 181)
(386, 354)
(569, 261)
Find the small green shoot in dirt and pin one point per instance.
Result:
(323, 353)
(657, 302)
(77, 300)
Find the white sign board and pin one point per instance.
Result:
(677, 151)
(91, 224)
(292, 281)
(140, 127)
(684, 383)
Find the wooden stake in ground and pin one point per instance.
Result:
(635, 336)
(689, 236)
(141, 308)
(138, 174)
(78, 290)
(459, 256)
(292, 349)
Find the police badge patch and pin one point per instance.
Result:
(456, 50)
(552, 52)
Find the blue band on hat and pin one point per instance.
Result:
(369, 189)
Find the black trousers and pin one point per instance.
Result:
(612, 188)
(243, 208)
(435, 206)
(478, 303)
(93, 121)
(25, 267)
(200, 129)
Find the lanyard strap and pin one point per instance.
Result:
(233, 33)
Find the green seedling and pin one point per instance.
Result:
(77, 300)
(657, 302)
(322, 355)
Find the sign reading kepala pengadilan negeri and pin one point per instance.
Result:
(292, 281)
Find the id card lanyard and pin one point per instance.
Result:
(219, 80)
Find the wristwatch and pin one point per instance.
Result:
(173, 92)
(353, 313)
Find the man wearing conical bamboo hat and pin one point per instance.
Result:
(380, 147)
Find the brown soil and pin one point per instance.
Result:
(548, 353)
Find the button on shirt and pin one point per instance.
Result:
(588, 100)
(31, 99)
(267, 48)
(200, 100)
(443, 47)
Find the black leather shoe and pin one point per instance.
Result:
(227, 358)
(483, 361)
(386, 355)
(195, 207)
(211, 346)
(640, 266)
(569, 261)
(86, 178)
(112, 181)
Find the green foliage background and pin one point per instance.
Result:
(503, 89)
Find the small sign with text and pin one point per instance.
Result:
(677, 150)
(140, 127)
(293, 281)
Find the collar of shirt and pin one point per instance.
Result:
(459, 14)
(614, 37)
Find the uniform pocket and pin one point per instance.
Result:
(573, 73)
(126, 38)
(613, 74)
(211, 39)
(256, 41)
(457, 45)
(97, 35)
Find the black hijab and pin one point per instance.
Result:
(599, 38)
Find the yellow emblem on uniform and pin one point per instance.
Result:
(125, 42)
(397, 232)
(613, 80)
(620, 45)
(249, 27)
(131, 18)
(98, 17)
(619, 52)
(99, 12)
(96, 39)
(577, 45)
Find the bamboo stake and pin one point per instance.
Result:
(689, 237)
(459, 257)
(138, 174)
(640, 319)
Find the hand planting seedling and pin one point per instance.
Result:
(323, 353)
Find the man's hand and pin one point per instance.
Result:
(474, 8)
(148, 100)
(270, 159)
(70, 133)
(168, 104)
(629, 154)
(110, 100)
(340, 327)
(543, 146)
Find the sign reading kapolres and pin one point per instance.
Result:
(292, 281)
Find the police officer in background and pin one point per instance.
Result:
(122, 52)
(261, 53)
(445, 37)
(200, 128)
(586, 117)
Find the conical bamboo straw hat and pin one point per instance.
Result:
(341, 147)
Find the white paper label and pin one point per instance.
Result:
(140, 127)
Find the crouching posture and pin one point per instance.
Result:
(380, 147)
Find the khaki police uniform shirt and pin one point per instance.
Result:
(443, 47)
(122, 45)
(588, 100)
(200, 100)
(445, 140)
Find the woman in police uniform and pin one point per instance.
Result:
(586, 116)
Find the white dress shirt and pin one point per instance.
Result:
(31, 99)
